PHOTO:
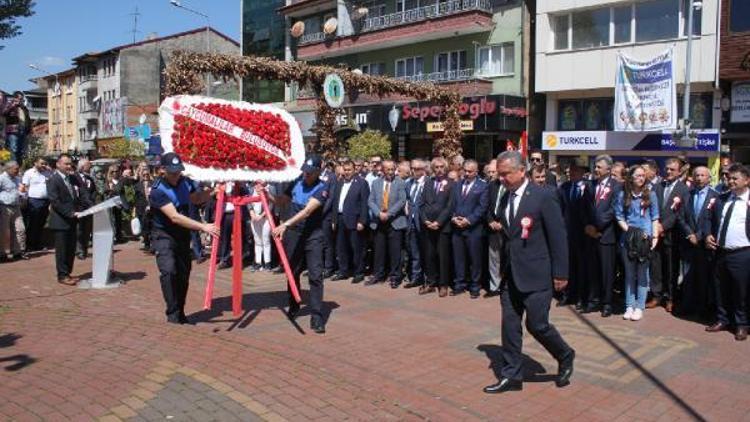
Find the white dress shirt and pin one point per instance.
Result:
(36, 183)
(516, 201)
(736, 234)
(344, 191)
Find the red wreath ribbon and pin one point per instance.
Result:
(676, 203)
(240, 201)
(526, 224)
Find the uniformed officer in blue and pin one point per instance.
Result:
(170, 199)
(302, 234)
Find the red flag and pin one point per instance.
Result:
(509, 145)
(523, 144)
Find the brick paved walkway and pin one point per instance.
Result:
(70, 354)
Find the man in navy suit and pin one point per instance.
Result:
(601, 232)
(575, 195)
(730, 237)
(435, 213)
(697, 292)
(415, 232)
(537, 251)
(672, 195)
(388, 220)
(467, 217)
(349, 202)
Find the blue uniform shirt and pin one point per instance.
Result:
(162, 193)
(301, 194)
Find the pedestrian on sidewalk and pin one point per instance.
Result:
(261, 229)
(12, 229)
(35, 185)
(171, 225)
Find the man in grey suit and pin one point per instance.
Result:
(388, 221)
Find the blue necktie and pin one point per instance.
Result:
(697, 203)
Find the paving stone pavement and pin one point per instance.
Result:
(72, 354)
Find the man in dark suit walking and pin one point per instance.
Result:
(65, 204)
(388, 220)
(730, 238)
(467, 218)
(601, 233)
(575, 197)
(349, 201)
(697, 262)
(537, 250)
(436, 205)
(672, 195)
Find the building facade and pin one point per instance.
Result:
(120, 89)
(734, 73)
(474, 47)
(577, 44)
(62, 112)
(263, 34)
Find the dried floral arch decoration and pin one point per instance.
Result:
(183, 76)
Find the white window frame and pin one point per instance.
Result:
(503, 50)
(437, 57)
(370, 65)
(404, 59)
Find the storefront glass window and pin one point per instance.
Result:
(591, 28)
(263, 34)
(585, 114)
(739, 15)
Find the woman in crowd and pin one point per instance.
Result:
(637, 213)
(112, 188)
(142, 209)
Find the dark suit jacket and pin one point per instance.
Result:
(87, 187)
(576, 209)
(493, 189)
(355, 203)
(141, 199)
(670, 212)
(413, 203)
(329, 208)
(602, 210)
(63, 205)
(437, 205)
(535, 261)
(473, 206)
(699, 225)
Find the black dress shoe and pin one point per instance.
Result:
(339, 277)
(185, 320)
(80, 256)
(606, 311)
(565, 370)
(474, 295)
(412, 284)
(327, 274)
(457, 292)
(395, 284)
(591, 307)
(224, 265)
(201, 259)
(492, 293)
(358, 279)
(372, 280)
(504, 385)
(579, 306)
(318, 328)
(22, 256)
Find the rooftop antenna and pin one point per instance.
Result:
(135, 22)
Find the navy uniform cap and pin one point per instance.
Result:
(172, 163)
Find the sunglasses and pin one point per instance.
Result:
(535, 159)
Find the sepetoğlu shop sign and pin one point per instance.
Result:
(489, 113)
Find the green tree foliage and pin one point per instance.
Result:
(368, 143)
(123, 148)
(10, 10)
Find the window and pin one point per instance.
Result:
(497, 60)
(591, 28)
(404, 5)
(657, 20)
(739, 15)
(450, 61)
(560, 26)
(623, 24)
(373, 69)
(409, 66)
(697, 14)
(585, 114)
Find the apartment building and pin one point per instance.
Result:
(117, 87)
(475, 47)
(62, 112)
(734, 74)
(577, 43)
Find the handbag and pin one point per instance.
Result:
(135, 226)
(638, 244)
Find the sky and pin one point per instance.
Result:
(63, 29)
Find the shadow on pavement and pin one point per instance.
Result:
(533, 371)
(119, 275)
(645, 372)
(21, 361)
(252, 305)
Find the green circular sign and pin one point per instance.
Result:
(333, 90)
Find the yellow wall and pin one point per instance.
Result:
(63, 113)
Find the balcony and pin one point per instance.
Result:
(88, 82)
(89, 113)
(442, 20)
(441, 77)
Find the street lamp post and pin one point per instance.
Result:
(176, 3)
(685, 137)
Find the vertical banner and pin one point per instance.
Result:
(645, 94)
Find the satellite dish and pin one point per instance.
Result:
(330, 26)
(57, 88)
(298, 29)
(361, 12)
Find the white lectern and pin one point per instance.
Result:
(103, 241)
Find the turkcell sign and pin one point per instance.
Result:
(574, 141)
